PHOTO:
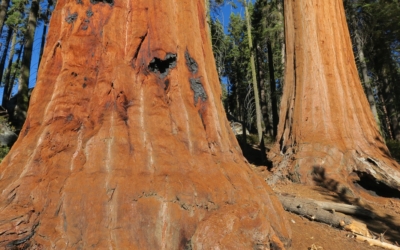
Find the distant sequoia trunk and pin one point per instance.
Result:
(126, 144)
(327, 133)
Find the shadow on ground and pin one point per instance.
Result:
(386, 210)
(253, 155)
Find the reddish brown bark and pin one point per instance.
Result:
(327, 131)
(126, 144)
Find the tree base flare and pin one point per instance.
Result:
(126, 144)
(351, 173)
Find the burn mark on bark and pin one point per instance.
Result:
(198, 90)
(166, 83)
(70, 117)
(282, 139)
(191, 63)
(85, 24)
(138, 49)
(123, 105)
(89, 13)
(110, 2)
(58, 209)
(84, 82)
(187, 244)
(272, 246)
(15, 243)
(202, 120)
(57, 45)
(163, 67)
(71, 17)
(111, 194)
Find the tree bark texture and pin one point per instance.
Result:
(326, 127)
(126, 144)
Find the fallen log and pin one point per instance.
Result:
(378, 243)
(339, 207)
(345, 208)
(311, 210)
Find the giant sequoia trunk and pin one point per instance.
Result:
(126, 144)
(327, 133)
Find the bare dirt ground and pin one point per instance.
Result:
(308, 234)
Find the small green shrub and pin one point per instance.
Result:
(252, 139)
(3, 152)
(5, 125)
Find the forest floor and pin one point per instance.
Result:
(308, 234)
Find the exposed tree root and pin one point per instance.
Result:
(352, 173)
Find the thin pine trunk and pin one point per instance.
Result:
(272, 83)
(263, 96)
(254, 77)
(391, 108)
(5, 52)
(386, 116)
(7, 85)
(358, 37)
(45, 25)
(280, 6)
(14, 74)
(22, 96)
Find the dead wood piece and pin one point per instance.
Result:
(340, 207)
(358, 228)
(378, 243)
(313, 211)
(345, 208)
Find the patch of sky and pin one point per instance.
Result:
(223, 13)
(35, 52)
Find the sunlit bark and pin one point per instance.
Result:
(126, 143)
(326, 128)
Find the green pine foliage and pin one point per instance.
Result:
(5, 125)
(378, 24)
